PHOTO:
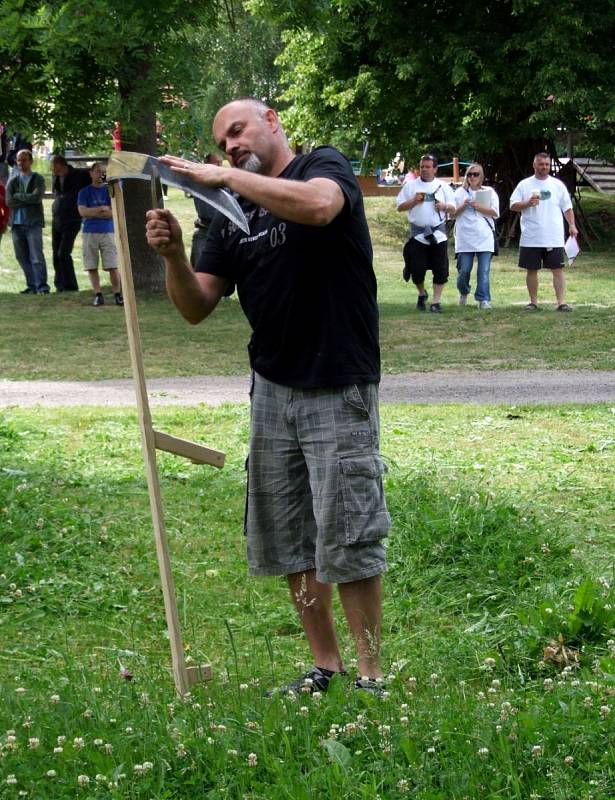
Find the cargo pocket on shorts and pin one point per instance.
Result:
(365, 515)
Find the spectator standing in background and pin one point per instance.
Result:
(542, 201)
(427, 200)
(477, 208)
(24, 196)
(66, 223)
(94, 204)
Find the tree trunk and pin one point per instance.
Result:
(139, 136)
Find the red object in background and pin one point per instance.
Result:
(117, 137)
(4, 211)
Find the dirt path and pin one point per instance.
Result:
(516, 387)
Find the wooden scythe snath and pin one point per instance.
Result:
(153, 440)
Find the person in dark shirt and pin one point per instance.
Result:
(315, 504)
(66, 220)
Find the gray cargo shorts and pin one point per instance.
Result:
(315, 498)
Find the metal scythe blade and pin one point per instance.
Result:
(123, 164)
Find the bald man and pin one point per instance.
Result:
(316, 511)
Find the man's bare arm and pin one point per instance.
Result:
(194, 294)
(572, 225)
(314, 202)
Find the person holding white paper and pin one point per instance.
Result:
(542, 201)
(476, 209)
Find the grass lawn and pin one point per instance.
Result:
(501, 547)
(64, 337)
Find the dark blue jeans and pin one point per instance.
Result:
(28, 244)
(464, 268)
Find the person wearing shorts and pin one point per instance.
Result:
(315, 509)
(428, 201)
(98, 241)
(543, 202)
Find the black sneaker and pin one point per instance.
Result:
(99, 300)
(42, 291)
(435, 308)
(29, 290)
(420, 303)
(373, 687)
(316, 679)
(119, 300)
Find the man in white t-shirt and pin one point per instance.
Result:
(427, 201)
(541, 201)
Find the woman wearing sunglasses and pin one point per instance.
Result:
(477, 208)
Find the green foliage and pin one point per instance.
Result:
(454, 76)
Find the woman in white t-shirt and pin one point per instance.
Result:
(476, 209)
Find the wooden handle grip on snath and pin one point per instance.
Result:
(151, 441)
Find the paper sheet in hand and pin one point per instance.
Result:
(571, 248)
(123, 164)
(483, 196)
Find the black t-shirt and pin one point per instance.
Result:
(309, 292)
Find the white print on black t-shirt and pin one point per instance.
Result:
(247, 239)
(277, 235)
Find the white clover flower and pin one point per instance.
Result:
(316, 696)
(604, 710)
(20, 690)
(252, 725)
(536, 751)
(304, 711)
(97, 690)
(489, 662)
(100, 778)
(138, 769)
(548, 611)
(431, 749)
(55, 699)
(498, 729)
(547, 684)
(144, 699)
(243, 687)
(588, 701)
(403, 785)
(88, 713)
(252, 759)
(404, 707)
(181, 750)
(128, 729)
(51, 773)
(569, 760)
(98, 743)
(11, 738)
(483, 752)
(403, 721)
(232, 752)
(108, 748)
(83, 780)
(11, 780)
(58, 750)
(78, 742)
(33, 742)
(411, 682)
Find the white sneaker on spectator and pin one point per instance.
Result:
(485, 305)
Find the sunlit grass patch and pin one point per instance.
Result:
(499, 629)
